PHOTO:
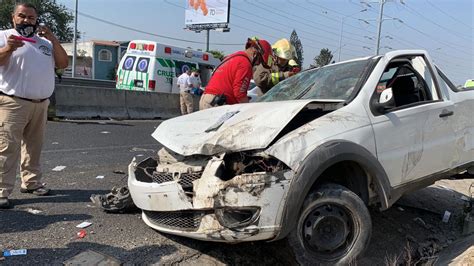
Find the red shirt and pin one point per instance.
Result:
(232, 78)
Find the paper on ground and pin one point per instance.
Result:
(83, 225)
(59, 168)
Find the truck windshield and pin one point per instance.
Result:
(331, 82)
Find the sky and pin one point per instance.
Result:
(445, 28)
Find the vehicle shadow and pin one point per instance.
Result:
(144, 255)
(246, 253)
(58, 196)
(21, 220)
(98, 122)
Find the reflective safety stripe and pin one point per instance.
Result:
(275, 78)
(469, 83)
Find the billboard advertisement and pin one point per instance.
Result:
(206, 12)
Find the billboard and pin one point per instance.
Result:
(210, 13)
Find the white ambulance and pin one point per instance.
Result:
(152, 66)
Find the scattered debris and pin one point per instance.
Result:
(105, 132)
(120, 172)
(118, 200)
(446, 216)
(468, 210)
(33, 211)
(58, 168)
(82, 233)
(13, 252)
(421, 222)
(91, 257)
(84, 225)
(99, 177)
(142, 149)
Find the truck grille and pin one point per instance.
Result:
(178, 220)
(185, 180)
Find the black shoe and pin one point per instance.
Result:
(41, 191)
(5, 203)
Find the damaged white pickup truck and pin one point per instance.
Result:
(307, 159)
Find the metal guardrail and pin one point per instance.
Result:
(92, 83)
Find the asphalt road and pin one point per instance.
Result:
(98, 148)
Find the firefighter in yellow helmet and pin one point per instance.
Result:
(266, 78)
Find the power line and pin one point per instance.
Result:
(447, 14)
(331, 18)
(149, 33)
(264, 25)
(284, 12)
(279, 30)
(450, 31)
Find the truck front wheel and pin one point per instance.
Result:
(334, 227)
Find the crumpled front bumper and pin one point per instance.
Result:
(209, 208)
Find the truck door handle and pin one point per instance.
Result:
(445, 113)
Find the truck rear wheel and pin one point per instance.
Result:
(334, 227)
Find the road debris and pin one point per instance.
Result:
(82, 233)
(58, 168)
(33, 211)
(120, 172)
(84, 225)
(421, 222)
(55, 143)
(105, 132)
(446, 216)
(468, 210)
(99, 177)
(13, 252)
(118, 200)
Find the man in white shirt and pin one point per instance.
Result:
(27, 61)
(185, 96)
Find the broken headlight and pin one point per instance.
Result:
(237, 217)
(239, 163)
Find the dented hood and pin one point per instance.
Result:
(226, 128)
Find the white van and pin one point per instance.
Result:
(152, 66)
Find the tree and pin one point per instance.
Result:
(324, 58)
(295, 41)
(217, 54)
(55, 16)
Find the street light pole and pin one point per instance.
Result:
(207, 39)
(340, 40)
(342, 30)
(74, 52)
(382, 2)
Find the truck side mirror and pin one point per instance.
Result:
(385, 101)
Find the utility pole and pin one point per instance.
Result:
(74, 52)
(382, 2)
(208, 32)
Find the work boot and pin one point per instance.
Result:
(4, 203)
(41, 191)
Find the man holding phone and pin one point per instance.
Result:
(28, 55)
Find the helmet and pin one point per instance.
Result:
(264, 50)
(292, 63)
(283, 49)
